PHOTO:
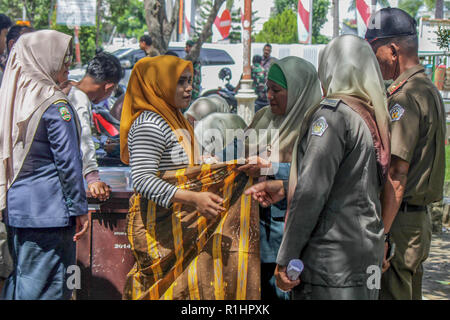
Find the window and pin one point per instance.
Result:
(120, 52)
(207, 56)
(215, 57)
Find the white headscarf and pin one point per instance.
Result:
(204, 106)
(28, 89)
(347, 67)
(213, 128)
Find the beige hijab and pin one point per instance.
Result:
(347, 67)
(28, 89)
(204, 106)
(212, 130)
(303, 93)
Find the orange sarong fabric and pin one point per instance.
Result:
(182, 255)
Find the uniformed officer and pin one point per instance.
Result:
(333, 223)
(197, 78)
(418, 155)
(41, 182)
(259, 77)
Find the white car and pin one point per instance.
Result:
(212, 60)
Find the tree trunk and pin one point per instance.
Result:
(439, 13)
(206, 31)
(99, 21)
(29, 14)
(159, 27)
(335, 18)
(50, 13)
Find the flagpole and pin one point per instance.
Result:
(77, 46)
(246, 95)
(247, 44)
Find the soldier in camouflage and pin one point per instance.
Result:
(197, 78)
(259, 76)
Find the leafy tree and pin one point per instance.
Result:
(320, 11)
(206, 31)
(205, 8)
(410, 6)
(86, 36)
(12, 8)
(443, 40)
(236, 25)
(281, 5)
(127, 16)
(431, 4)
(280, 29)
(38, 12)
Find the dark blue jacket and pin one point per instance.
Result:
(49, 190)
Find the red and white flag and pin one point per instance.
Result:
(362, 16)
(187, 19)
(304, 21)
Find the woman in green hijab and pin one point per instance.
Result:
(293, 89)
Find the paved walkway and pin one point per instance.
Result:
(436, 279)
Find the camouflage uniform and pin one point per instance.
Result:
(259, 76)
(196, 80)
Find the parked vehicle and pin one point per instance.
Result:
(212, 60)
(226, 90)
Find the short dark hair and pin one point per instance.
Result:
(256, 59)
(268, 45)
(409, 44)
(105, 67)
(5, 22)
(171, 53)
(16, 31)
(147, 39)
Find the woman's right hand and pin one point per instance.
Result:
(208, 204)
(267, 192)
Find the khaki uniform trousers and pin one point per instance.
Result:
(411, 232)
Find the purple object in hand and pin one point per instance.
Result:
(294, 269)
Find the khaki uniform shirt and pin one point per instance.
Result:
(417, 134)
(334, 222)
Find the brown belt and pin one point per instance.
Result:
(405, 207)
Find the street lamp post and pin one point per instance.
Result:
(246, 95)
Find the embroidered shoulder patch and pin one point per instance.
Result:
(396, 112)
(330, 102)
(319, 126)
(65, 113)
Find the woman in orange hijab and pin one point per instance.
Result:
(154, 135)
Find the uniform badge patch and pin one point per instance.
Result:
(65, 113)
(319, 126)
(396, 112)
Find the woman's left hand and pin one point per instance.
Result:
(82, 226)
(253, 166)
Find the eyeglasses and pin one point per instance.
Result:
(68, 58)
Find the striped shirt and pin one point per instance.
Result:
(154, 147)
